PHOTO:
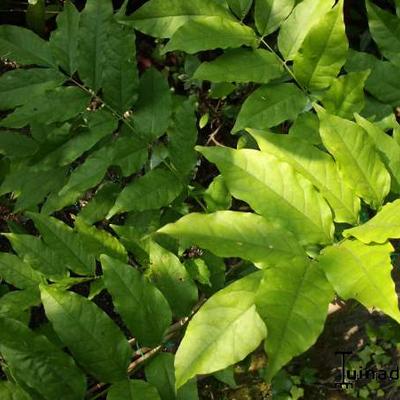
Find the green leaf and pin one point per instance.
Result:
(89, 333)
(172, 279)
(217, 196)
(236, 234)
(64, 39)
(274, 190)
(160, 19)
(156, 189)
(38, 364)
(142, 306)
(323, 51)
(132, 389)
(19, 86)
(385, 30)
(11, 391)
(17, 304)
(293, 301)
(383, 226)
(93, 35)
(120, 79)
(23, 46)
(241, 66)
(295, 28)
(154, 106)
(41, 257)
(355, 154)
(370, 280)
(13, 144)
(269, 106)
(36, 16)
(269, 14)
(211, 33)
(19, 274)
(306, 127)
(160, 372)
(240, 7)
(346, 95)
(211, 342)
(49, 107)
(61, 238)
(318, 167)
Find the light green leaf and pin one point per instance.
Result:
(241, 66)
(19, 274)
(23, 46)
(11, 391)
(269, 106)
(156, 189)
(217, 196)
(323, 52)
(212, 343)
(64, 39)
(370, 280)
(318, 167)
(236, 234)
(89, 333)
(274, 190)
(356, 156)
(385, 30)
(141, 305)
(172, 279)
(93, 36)
(13, 144)
(211, 33)
(154, 106)
(295, 28)
(240, 7)
(160, 372)
(269, 14)
(293, 301)
(49, 107)
(61, 238)
(120, 79)
(19, 86)
(162, 19)
(346, 95)
(38, 364)
(133, 389)
(35, 253)
(383, 226)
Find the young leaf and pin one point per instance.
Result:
(318, 167)
(224, 331)
(241, 66)
(323, 52)
(385, 30)
(93, 35)
(38, 364)
(23, 46)
(346, 95)
(370, 280)
(89, 333)
(269, 14)
(240, 7)
(295, 28)
(142, 306)
(269, 106)
(356, 156)
(385, 225)
(11, 391)
(61, 238)
(211, 33)
(154, 106)
(236, 234)
(293, 302)
(132, 389)
(160, 19)
(274, 190)
(64, 40)
(172, 279)
(156, 189)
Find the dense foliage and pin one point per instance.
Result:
(119, 231)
